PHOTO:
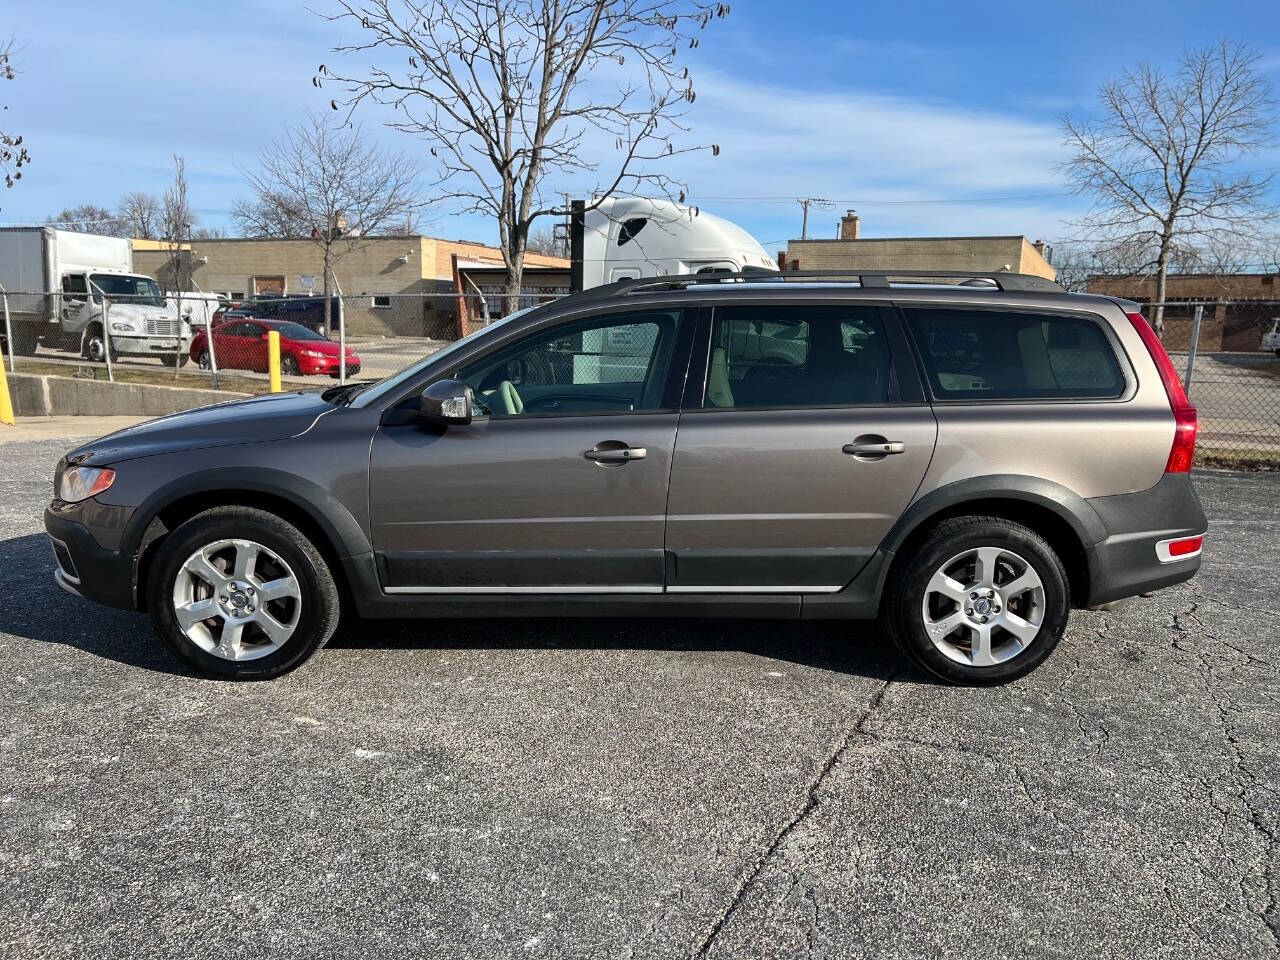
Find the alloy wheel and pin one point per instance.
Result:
(237, 600)
(984, 606)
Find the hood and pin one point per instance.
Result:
(273, 417)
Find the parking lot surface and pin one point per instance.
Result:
(644, 788)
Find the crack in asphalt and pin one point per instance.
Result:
(1270, 912)
(749, 876)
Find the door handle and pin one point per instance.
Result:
(616, 454)
(874, 448)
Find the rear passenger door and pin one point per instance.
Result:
(804, 437)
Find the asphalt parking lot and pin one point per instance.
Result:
(647, 788)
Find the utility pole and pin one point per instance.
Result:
(805, 204)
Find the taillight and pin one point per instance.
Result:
(1184, 411)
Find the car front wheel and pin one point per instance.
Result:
(983, 600)
(240, 593)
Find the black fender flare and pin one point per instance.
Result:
(1064, 503)
(343, 531)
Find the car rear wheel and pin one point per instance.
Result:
(203, 361)
(983, 600)
(240, 593)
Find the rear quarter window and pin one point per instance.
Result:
(1014, 355)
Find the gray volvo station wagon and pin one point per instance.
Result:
(964, 457)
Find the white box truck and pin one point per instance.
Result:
(56, 280)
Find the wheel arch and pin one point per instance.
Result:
(317, 513)
(1065, 520)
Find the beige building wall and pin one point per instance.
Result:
(421, 290)
(1015, 254)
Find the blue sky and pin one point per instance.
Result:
(884, 107)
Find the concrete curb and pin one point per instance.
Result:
(51, 396)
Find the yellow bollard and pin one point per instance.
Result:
(273, 359)
(6, 403)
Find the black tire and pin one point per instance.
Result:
(203, 361)
(320, 604)
(902, 607)
(169, 359)
(289, 365)
(94, 347)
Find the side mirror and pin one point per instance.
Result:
(446, 402)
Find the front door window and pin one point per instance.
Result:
(617, 364)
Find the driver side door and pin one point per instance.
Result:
(559, 483)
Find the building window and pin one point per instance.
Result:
(382, 302)
(236, 294)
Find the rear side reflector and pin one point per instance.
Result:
(1185, 421)
(1180, 549)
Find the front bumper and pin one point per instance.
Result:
(150, 346)
(87, 569)
(326, 365)
(1127, 562)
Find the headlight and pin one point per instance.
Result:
(314, 353)
(123, 328)
(81, 483)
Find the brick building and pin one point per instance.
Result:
(384, 279)
(851, 251)
(1237, 306)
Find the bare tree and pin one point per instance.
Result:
(89, 218)
(509, 93)
(141, 214)
(209, 233)
(1158, 163)
(176, 223)
(545, 241)
(13, 153)
(330, 184)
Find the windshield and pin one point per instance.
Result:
(296, 331)
(130, 289)
(388, 384)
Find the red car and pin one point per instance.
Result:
(242, 345)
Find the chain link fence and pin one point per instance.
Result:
(204, 340)
(1227, 351)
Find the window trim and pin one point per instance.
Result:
(904, 389)
(677, 373)
(1123, 362)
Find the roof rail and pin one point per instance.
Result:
(867, 279)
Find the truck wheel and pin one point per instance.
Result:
(981, 601)
(169, 359)
(242, 594)
(94, 347)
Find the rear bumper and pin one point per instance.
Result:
(1127, 562)
(87, 569)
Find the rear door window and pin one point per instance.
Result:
(797, 356)
(1014, 355)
